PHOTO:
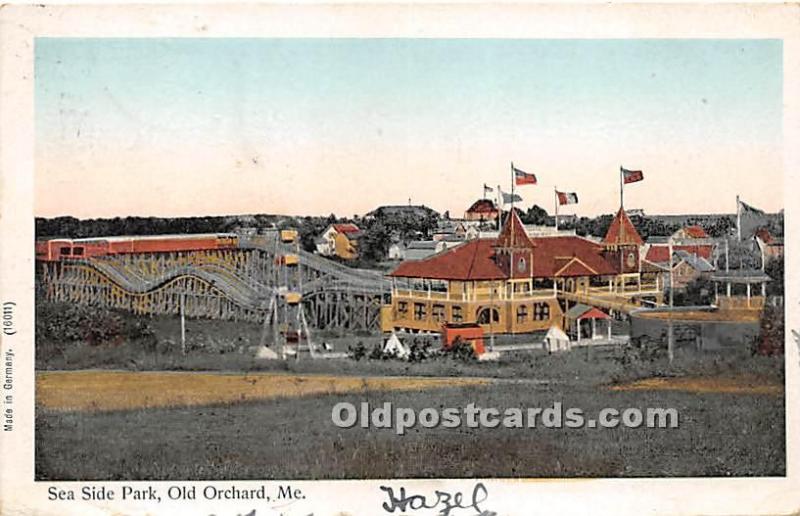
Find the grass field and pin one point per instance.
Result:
(731, 423)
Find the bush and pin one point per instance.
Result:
(771, 337)
(358, 351)
(64, 323)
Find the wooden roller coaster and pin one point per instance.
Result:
(263, 279)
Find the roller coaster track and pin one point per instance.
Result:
(244, 284)
(233, 286)
(244, 290)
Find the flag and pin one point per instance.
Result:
(510, 197)
(750, 219)
(487, 189)
(567, 198)
(523, 178)
(746, 209)
(631, 176)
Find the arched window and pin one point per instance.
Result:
(484, 314)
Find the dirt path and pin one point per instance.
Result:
(97, 390)
(700, 385)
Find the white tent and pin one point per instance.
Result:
(556, 340)
(266, 353)
(396, 346)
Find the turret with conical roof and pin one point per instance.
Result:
(514, 249)
(622, 243)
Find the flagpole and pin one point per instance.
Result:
(738, 218)
(555, 192)
(499, 209)
(511, 213)
(512, 186)
(620, 186)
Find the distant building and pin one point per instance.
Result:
(659, 253)
(690, 239)
(690, 232)
(636, 212)
(482, 210)
(421, 249)
(568, 218)
(477, 231)
(339, 240)
(397, 251)
(771, 247)
(688, 267)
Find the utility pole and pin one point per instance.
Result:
(183, 322)
(670, 336)
(491, 315)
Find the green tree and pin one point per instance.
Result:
(774, 269)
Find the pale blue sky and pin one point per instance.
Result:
(341, 125)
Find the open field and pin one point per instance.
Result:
(723, 432)
(145, 410)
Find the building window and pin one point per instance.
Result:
(522, 314)
(419, 311)
(65, 250)
(458, 316)
(77, 251)
(402, 309)
(484, 316)
(437, 313)
(541, 312)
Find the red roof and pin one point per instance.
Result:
(764, 235)
(561, 256)
(594, 313)
(483, 206)
(513, 233)
(695, 232)
(660, 253)
(346, 228)
(471, 260)
(622, 232)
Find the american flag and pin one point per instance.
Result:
(523, 178)
(631, 176)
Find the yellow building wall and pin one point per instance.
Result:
(418, 313)
(344, 247)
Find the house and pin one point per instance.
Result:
(691, 239)
(424, 248)
(509, 283)
(482, 210)
(690, 232)
(397, 251)
(771, 247)
(659, 253)
(688, 267)
(476, 231)
(340, 240)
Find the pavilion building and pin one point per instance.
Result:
(513, 283)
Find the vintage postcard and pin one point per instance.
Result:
(399, 259)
